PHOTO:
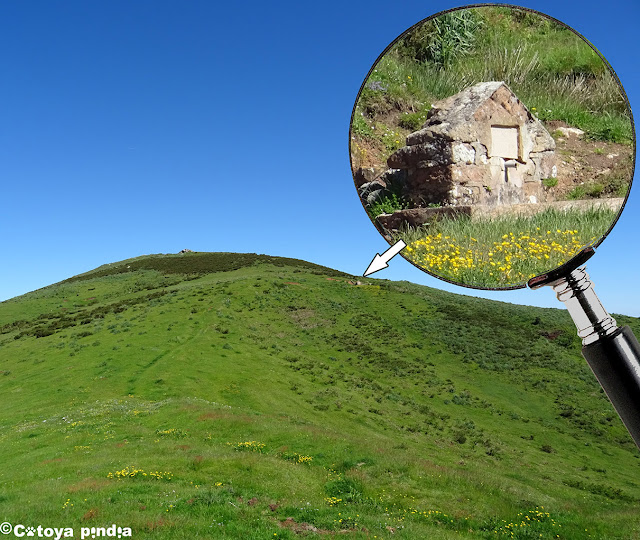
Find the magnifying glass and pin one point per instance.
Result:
(493, 147)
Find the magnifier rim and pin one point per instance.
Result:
(380, 229)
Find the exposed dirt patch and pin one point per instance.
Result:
(293, 525)
(305, 528)
(587, 163)
(225, 416)
(430, 465)
(47, 461)
(191, 407)
(153, 525)
(306, 318)
(367, 153)
(88, 484)
(210, 416)
(90, 514)
(553, 335)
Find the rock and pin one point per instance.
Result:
(372, 191)
(568, 131)
(366, 174)
(463, 153)
(426, 154)
(481, 153)
(429, 185)
(378, 86)
(545, 164)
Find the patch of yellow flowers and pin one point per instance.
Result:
(134, 472)
(298, 458)
(525, 522)
(171, 432)
(252, 446)
(510, 259)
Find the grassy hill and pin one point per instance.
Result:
(244, 396)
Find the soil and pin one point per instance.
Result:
(368, 153)
(304, 528)
(585, 162)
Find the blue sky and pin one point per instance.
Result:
(143, 127)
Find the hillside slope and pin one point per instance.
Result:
(244, 396)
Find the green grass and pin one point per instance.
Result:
(413, 121)
(387, 204)
(419, 422)
(615, 185)
(360, 127)
(506, 251)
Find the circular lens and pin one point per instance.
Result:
(495, 141)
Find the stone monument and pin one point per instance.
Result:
(481, 146)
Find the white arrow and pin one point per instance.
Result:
(380, 261)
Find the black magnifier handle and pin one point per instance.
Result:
(613, 353)
(614, 361)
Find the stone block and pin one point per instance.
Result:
(429, 186)
(470, 174)
(364, 175)
(545, 163)
(504, 142)
(534, 192)
(481, 153)
(427, 154)
(463, 153)
(514, 177)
